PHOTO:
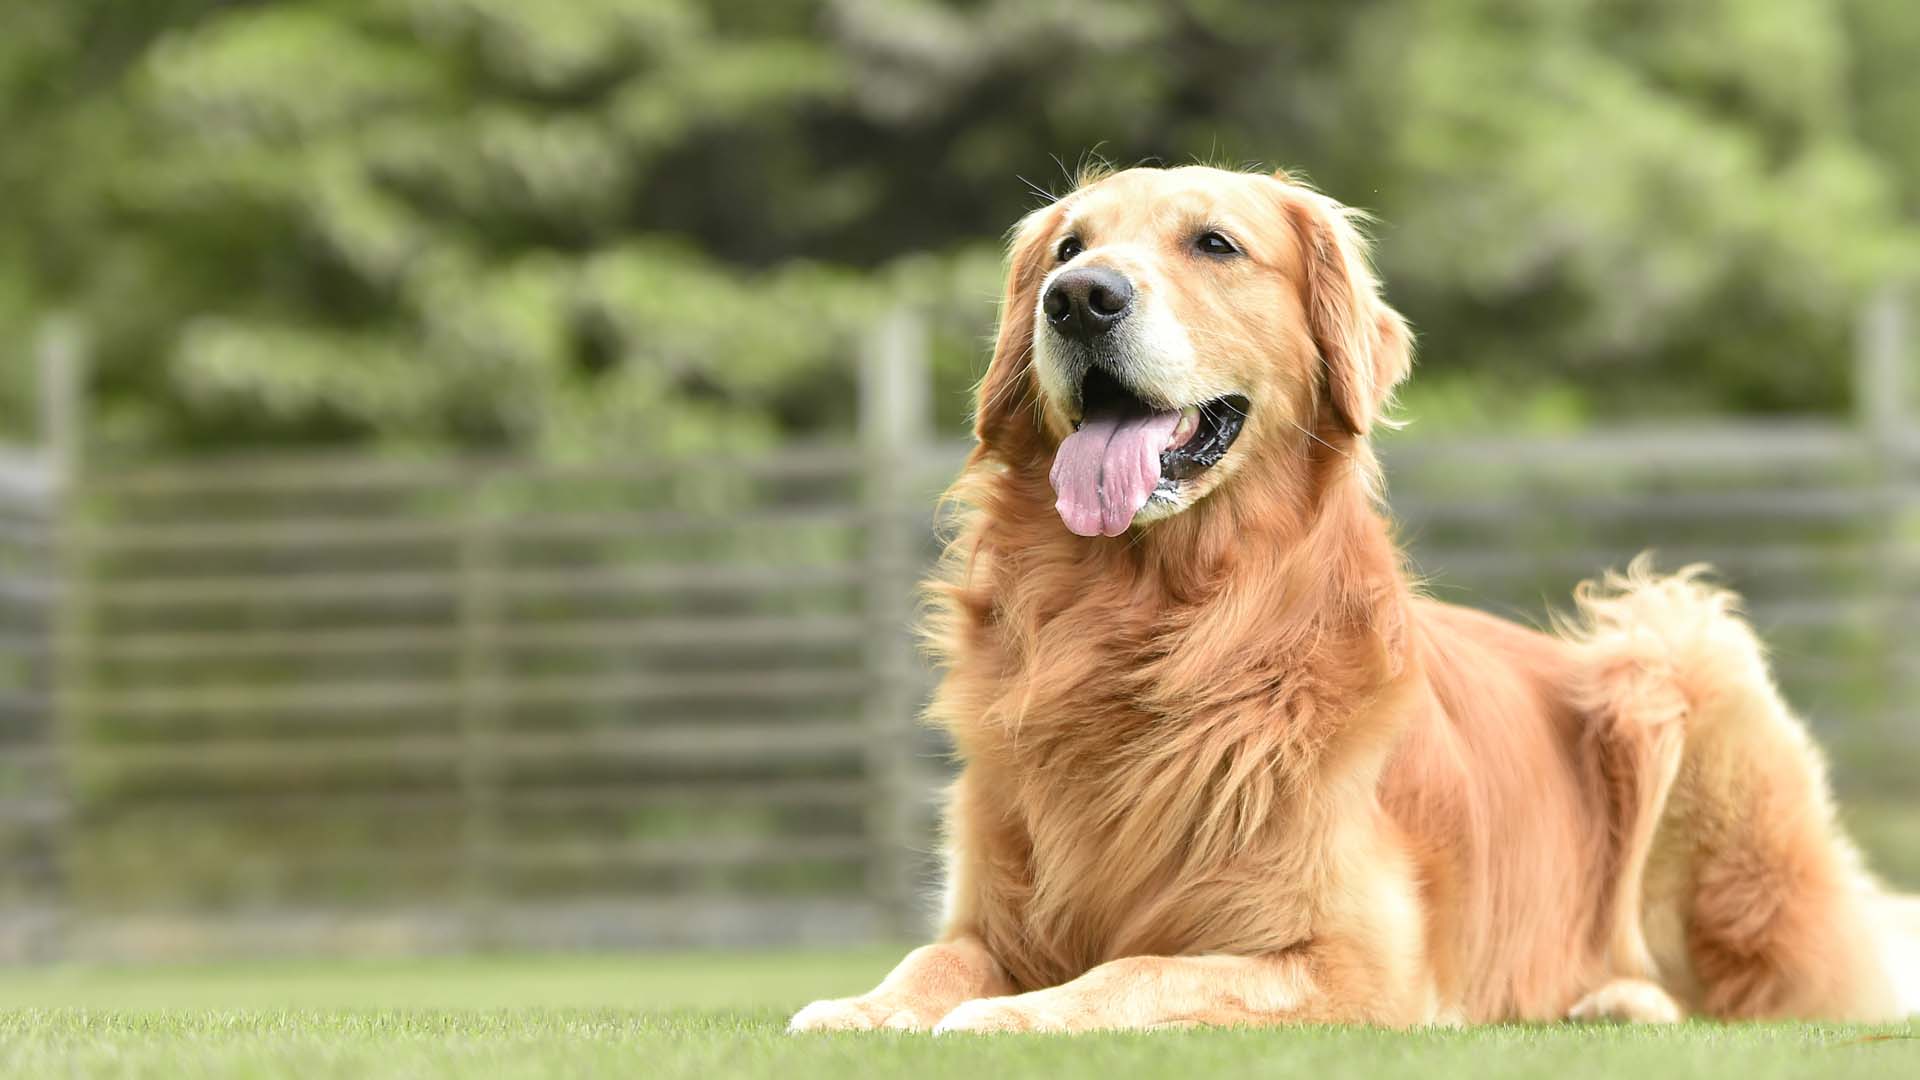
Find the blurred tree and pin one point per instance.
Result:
(427, 221)
(597, 225)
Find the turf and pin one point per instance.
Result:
(718, 1016)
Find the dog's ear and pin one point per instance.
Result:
(1004, 402)
(1365, 347)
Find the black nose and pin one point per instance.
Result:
(1087, 302)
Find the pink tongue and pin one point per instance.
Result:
(1105, 471)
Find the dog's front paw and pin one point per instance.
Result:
(990, 1015)
(1627, 1001)
(862, 1014)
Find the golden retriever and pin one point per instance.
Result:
(1222, 764)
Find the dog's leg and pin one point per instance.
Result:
(1631, 1001)
(1309, 984)
(923, 988)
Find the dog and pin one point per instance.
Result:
(1222, 763)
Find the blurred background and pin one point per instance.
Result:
(468, 460)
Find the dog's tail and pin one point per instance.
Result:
(1655, 649)
(1785, 919)
(1901, 931)
(1904, 913)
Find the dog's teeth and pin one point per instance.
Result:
(1189, 423)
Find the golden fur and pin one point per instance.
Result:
(1230, 768)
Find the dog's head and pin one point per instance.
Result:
(1165, 330)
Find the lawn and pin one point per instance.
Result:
(721, 1015)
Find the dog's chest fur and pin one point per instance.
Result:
(1149, 780)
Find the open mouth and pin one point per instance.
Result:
(1125, 452)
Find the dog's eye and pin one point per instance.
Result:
(1069, 248)
(1213, 243)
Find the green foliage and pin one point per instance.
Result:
(601, 225)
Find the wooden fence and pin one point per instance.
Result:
(32, 799)
(376, 704)
(503, 689)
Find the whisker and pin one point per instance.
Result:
(1000, 393)
(1031, 396)
(1318, 439)
(1046, 196)
(1304, 430)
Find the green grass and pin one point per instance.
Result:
(721, 1015)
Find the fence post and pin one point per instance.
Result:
(480, 676)
(61, 350)
(1883, 380)
(894, 426)
(1882, 401)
